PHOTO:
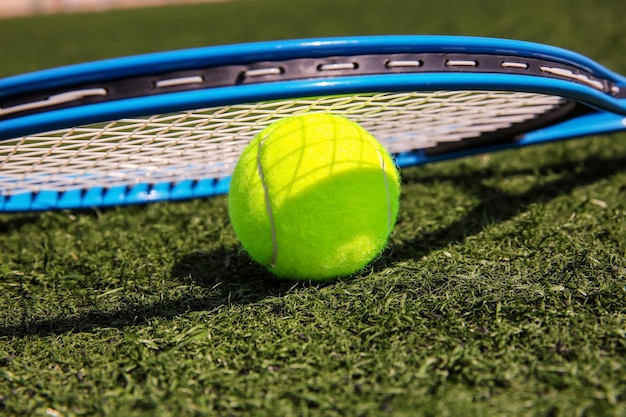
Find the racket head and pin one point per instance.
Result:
(170, 85)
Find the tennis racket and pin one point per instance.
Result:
(171, 125)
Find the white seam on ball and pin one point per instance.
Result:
(268, 206)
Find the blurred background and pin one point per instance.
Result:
(9, 8)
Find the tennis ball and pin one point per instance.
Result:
(314, 197)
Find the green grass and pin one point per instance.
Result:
(503, 290)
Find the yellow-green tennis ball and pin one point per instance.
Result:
(314, 197)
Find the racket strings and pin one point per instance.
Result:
(206, 143)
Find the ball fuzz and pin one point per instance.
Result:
(314, 197)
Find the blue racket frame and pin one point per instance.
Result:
(610, 118)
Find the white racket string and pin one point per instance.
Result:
(206, 143)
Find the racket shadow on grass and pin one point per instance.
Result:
(232, 278)
(223, 283)
(497, 206)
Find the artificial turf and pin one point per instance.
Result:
(502, 292)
